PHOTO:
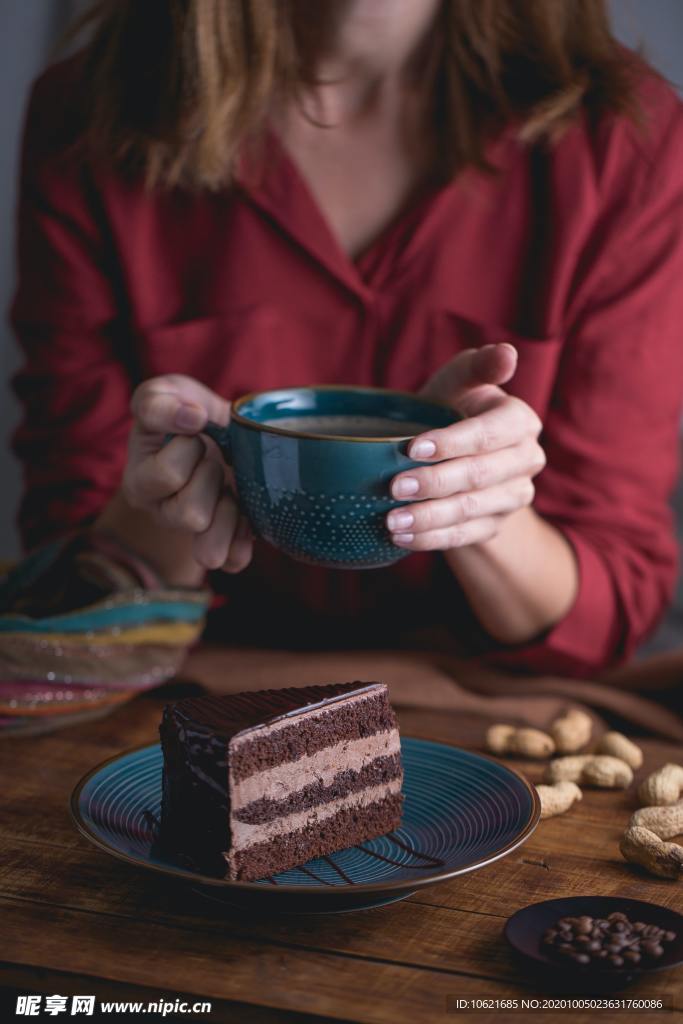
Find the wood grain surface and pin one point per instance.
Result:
(74, 920)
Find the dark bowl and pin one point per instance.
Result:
(524, 931)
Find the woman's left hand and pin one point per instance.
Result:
(485, 462)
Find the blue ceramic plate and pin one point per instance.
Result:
(462, 811)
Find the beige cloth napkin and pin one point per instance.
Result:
(644, 697)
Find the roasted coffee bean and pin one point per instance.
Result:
(614, 939)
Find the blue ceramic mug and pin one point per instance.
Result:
(313, 466)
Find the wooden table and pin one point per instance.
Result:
(74, 920)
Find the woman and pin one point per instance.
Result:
(479, 198)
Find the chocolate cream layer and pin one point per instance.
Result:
(244, 835)
(380, 770)
(280, 782)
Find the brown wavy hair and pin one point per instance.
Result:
(178, 87)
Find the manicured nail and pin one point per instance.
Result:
(422, 449)
(402, 538)
(406, 486)
(189, 417)
(400, 520)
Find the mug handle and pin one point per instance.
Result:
(221, 435)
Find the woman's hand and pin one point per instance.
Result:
(491, 457)
(185, 483)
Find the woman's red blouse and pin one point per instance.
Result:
(573, 252)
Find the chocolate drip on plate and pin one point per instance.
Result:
(152, 821)
(433, 861)
(340, 871)
(389, 860)
(312, 874)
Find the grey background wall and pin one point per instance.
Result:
(28, 29)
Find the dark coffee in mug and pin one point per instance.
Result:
(349, 425)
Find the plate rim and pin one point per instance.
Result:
(342, 890)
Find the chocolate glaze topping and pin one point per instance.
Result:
(240, 712)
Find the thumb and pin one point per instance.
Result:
(473, 368)
(176, 404)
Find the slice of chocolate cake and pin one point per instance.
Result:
(265, 781)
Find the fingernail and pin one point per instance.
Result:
(402, 538)
(189, 417)
(406, 486)
(400, 520)
(422, 449)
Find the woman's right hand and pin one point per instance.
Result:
(185, 483)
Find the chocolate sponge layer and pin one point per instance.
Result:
(349, 827)
(304, 737)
